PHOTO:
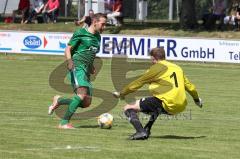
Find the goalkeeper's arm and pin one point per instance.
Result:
(191, 89)
(147, 77)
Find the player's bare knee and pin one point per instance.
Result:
(87, 101)
(81, 96)
(86, 104)
(134, 106)
(126, 107)
(82, 92)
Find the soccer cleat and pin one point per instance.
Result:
(198, 102)
(139, 136)
(50, 110)
(116, 94)
(66, 126)
(54, 105)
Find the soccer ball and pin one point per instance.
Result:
(105, 121)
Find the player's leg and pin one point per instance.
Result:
(82, 98)
(87, 102)
(55, 104)
(130, 111)
(57, 101)
(152, 106)
(88, 98)
(77, 101)
(148, 126)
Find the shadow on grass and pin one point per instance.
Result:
(177, 137)
(87, 126)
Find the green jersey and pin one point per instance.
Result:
(85, 46)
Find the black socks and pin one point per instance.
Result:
(134, 120)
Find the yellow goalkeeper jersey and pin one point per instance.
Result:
(168, 83)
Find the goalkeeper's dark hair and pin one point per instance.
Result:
(97, 16)
(158, 53)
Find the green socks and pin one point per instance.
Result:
(64, 101)
(74, 103)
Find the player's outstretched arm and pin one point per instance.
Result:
(191, 89)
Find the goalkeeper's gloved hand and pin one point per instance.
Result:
(70, 64)
(198, 102)
(117, 95)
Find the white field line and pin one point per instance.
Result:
(68, 147)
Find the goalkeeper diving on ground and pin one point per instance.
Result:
(167, 84)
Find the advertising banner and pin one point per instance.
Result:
(132, 46)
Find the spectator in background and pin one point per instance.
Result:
(233, 12)
(237, 17)
(50, 10)
(116, 12)
(36, 9)
(108, 4)
(23, 10)
(207, 11)
(218, 13)
(86, 21)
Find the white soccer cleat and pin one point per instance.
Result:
(50, 110)
(116, 94)
(54, 105)
(66, 126)
(199, 102)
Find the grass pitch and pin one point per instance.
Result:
(27, 132)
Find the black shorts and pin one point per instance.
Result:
(149, 105)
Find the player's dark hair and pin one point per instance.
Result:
(97, 16)
(158, 53)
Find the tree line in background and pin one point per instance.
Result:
(188, 12)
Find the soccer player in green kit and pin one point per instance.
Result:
(80, 54)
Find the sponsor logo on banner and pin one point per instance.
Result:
(62, 45)
(32, 42)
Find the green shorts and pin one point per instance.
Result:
(79, 78)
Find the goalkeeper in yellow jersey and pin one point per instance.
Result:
(167, 84)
